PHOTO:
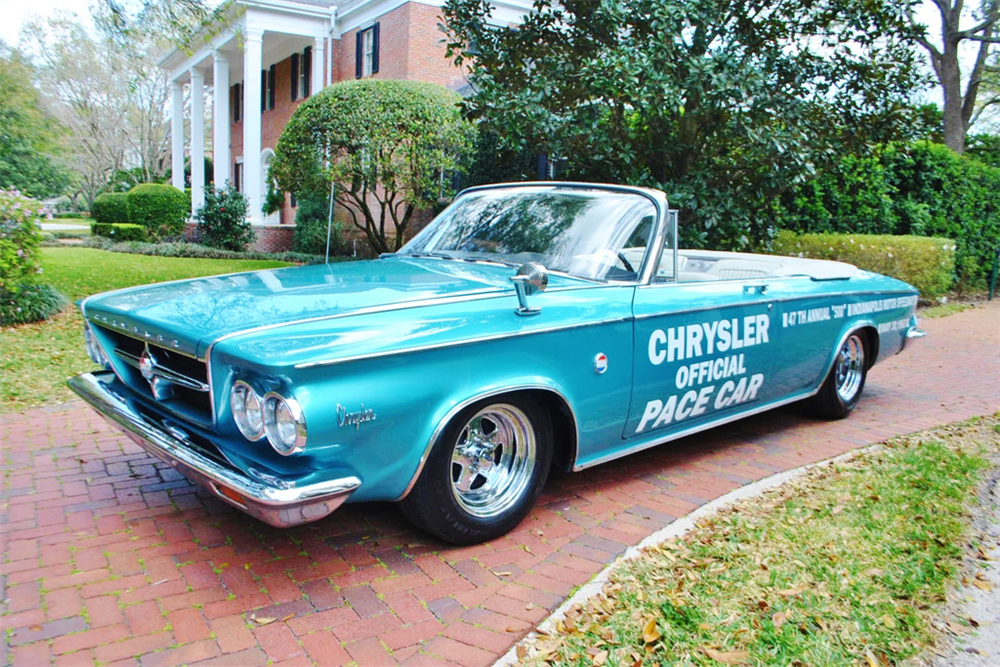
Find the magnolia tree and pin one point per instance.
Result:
(725, 104)
(385, 146)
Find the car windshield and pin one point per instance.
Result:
(583, 232)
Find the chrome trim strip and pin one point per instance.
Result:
(469, 401)
(165, 373)
(915, 332)
(459, 343)
(694, 429)
(646, 316)
(281, 504)
(729, 418)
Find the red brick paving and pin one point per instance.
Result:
(110, 556)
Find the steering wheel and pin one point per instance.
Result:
(626, 263)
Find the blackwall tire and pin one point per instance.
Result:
(485, 472)
(842, 388)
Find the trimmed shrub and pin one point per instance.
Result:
(71, 216)
(926, 263)
(161, 209)
(183, 249)
(310, 227)
(30, 302)
(119, 232)
(924, 190)
(20, 236)
(222, 220)
(110, 207)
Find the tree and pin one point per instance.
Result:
(109, 97)
(385, 144)
(962, 108)
(29, 137)
(722, 103)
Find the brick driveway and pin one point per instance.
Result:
(110, 558)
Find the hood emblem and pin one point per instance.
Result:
(147, 365)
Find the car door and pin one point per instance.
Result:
(703, 350)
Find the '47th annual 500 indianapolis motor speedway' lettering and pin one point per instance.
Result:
(692, 341)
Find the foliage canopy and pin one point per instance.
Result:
(386, 145)
(722, 103)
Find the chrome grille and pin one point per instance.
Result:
(185, 379)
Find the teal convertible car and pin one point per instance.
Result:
(528, 327)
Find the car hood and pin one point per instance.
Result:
(190, 314)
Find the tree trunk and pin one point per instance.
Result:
(951, 82)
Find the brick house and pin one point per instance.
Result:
(267, 56)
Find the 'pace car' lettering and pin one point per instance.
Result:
(694, 402)
(695, 340)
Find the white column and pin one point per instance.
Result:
(197, 139)
(177, 135)
(220, 118)
(252, 63)
(318, 60)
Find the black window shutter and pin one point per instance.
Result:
(263, 90)
(359, 54)
(295, 76)
(374, 48)
(271, 86)
(307, 63)
(237, 99)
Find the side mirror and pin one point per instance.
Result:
(530, 278)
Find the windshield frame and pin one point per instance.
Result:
(657, 234)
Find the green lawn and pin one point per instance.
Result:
(36, 359)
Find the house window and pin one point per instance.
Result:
(267, 81)
(366, 53)
(301, 74)
(238, 176)
(237, 102)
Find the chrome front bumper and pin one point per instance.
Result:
(282, 503)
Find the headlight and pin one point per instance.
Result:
(246, 407)
(94, 349)
(284, 424)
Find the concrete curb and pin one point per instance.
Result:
(676, 529)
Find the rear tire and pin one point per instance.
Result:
(485, 471)
(842, 388)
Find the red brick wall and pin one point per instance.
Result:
(270, 238)
(410, 47)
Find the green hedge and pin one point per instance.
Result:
(310, 227)
(71, 216)
(926, 263)
(924, 189)
(119, 232)
(183, 249)
(161, 209)
(110, 207)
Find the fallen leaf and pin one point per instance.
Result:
(502, 574)
(522, 652)
(529, 606)
(789, 592)
(973, 622)
(35, 628)
(888, 621)
(779, 618)
(650, 633)
(513, 629)
(982, 585)
(600, 658)
(727, 657)
(415, 545)
(161, 581)
(837, 510)
(956, 629)
(870, 658)
(264, 620)
(287, 617)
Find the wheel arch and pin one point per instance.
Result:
(565, 439)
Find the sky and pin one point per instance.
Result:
(16, 13)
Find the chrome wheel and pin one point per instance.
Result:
(849, 369)
(493, 460)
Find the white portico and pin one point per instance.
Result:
(238, 64)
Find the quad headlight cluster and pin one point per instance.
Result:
(94, 349)
(278, 417)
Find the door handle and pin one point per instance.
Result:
(758, 289)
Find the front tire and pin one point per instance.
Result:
(842, 388)
(485, 472)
